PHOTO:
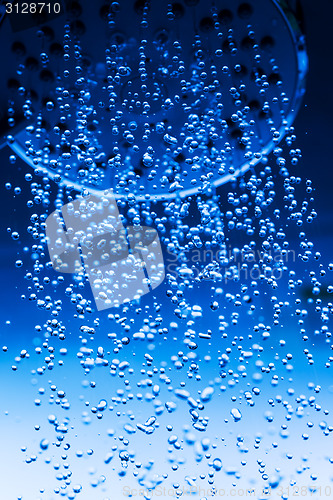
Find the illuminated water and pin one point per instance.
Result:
(210, 385)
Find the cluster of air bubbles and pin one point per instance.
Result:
(241, 270)
(160, 112)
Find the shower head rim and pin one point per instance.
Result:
(301, 64)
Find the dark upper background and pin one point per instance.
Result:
(314, 123)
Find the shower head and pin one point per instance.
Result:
(151, 98)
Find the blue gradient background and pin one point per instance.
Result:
(19, 389)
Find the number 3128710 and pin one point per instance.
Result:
(33, 8)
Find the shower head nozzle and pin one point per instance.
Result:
(156, 99)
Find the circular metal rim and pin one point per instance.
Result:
(301, 62)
